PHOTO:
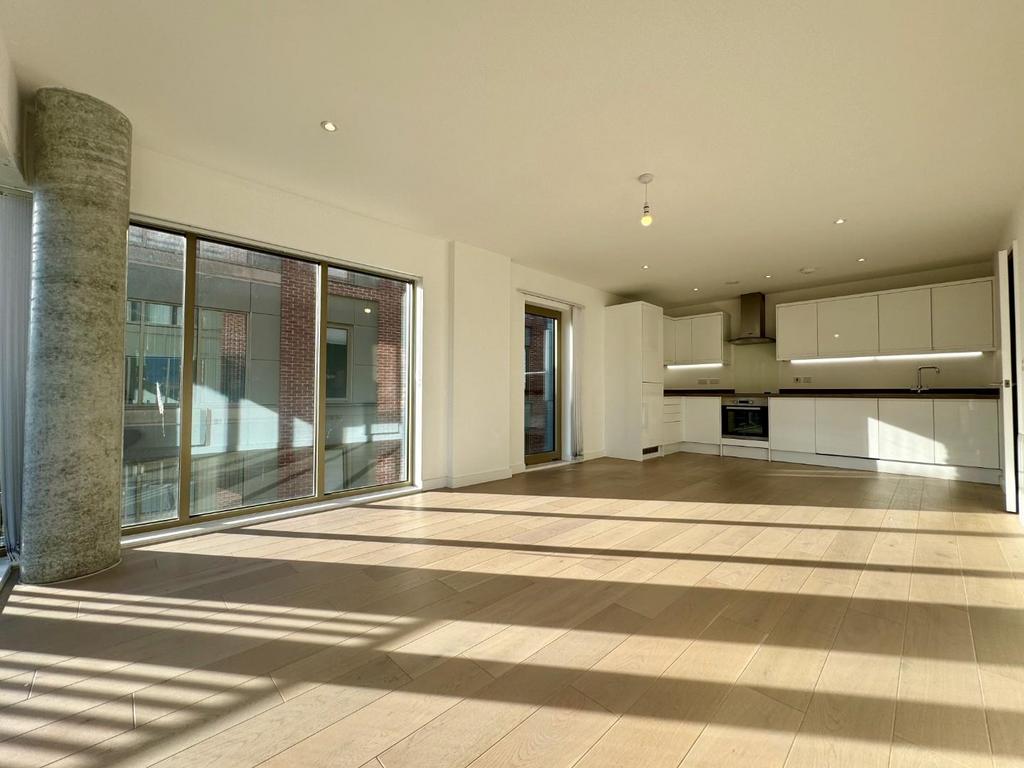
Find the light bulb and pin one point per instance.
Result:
(646, 220)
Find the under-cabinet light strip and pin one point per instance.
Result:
(693, 365)
(882, 358)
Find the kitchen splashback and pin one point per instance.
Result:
(755, 369)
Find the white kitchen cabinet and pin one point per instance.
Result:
(962, 316)
(633, 354)
(906, 430)
(653, 399)
(967, 433)
(791, 424)
(796, 331)
(684, 341)
(698, 339)
(672, 421)
(848, 326)
(708, 334)
(846, 426)
(905, 321)
(702, 420)
(652, 344)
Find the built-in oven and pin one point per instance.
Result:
(745, 418)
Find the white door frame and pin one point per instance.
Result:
(1009, 429)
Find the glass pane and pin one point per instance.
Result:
(540, 411)
(152, 377)
(367, 428)
(337, 363)
(162, 314)
(254, 389)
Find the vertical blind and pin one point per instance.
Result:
(15, 287)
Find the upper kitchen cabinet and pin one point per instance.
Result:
(697, 340)
(682, 348)
(668, 338)
(796, 331)
(905, 321)
(962, 316)
(949, 317)
(848, 326)
(652, 343)
(708, 333)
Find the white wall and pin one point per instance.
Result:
(1015, 227)
(558, 293)
(10, 122)
(480, 365)
(754, 368)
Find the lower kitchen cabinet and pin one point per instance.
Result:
(672, 421)
(967, 433)
(702, 422)
(653, 399)
(906, 430)
(791, 424)
(846, 426)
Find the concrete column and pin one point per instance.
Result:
(81, 153)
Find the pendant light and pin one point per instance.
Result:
(646, 219)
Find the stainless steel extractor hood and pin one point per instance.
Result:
(752, 321)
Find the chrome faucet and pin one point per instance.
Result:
(921, 387)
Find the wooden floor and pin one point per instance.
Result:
(692, 611)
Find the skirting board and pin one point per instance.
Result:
(969, 474)
(434, 483)
(480, 477)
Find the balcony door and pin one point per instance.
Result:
(542, 391)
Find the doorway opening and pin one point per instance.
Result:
(542, 387)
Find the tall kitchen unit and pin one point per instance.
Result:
(634, 380)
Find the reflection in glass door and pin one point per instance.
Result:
(292, 378)
(542, 406)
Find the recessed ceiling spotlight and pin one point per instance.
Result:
(328, 126)
(861, 259)
(696, 289)
(808, 270)
(646, 266)
(840, 221)
(768, 277)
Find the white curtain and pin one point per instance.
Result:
(15, 287)
(576, 401)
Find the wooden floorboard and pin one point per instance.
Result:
(686, 611)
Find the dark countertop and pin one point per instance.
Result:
(697, 392)
(938, 393)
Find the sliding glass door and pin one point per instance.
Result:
(366, 381)
(153, 339)
(542, 406)
(290, 377)
(254, 386)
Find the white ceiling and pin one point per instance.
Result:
(521, 126)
